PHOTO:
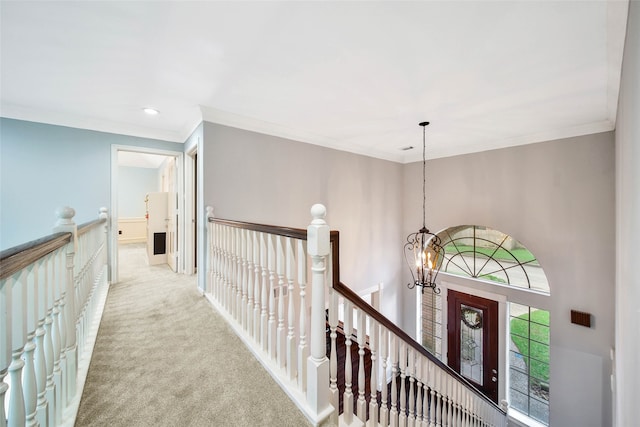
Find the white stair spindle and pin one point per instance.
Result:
(393, 413)
(17, 414)
(334, 397)
(271, 251)
(5, 343)
(40, 360)
(265, 293)
(412, 391)
(242, 280)
(384, 356)
(402, 364)
(303, 349)
(49, 357)
(281, 337)
(292, 363)
(347, 399)
(361, 405)
(256, 287)
(250, 283)
(373, 401)
(29, 374)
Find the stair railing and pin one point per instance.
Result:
(51, 292)
(259, 278)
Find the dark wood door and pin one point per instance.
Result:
(472, 329)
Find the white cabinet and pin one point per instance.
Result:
(156, 227)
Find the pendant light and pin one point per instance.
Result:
(423, 251)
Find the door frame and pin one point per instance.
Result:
(470, 286)
(491, 370)
(113, 215)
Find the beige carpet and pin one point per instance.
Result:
(164, 357)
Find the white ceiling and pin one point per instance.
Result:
(357, 76)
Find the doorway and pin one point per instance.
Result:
(170, 181)
(472, 340)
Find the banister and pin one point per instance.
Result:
(294, 233)
(346, 292)
(18, 257)
(87, 226)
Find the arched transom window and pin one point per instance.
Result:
(487, 254)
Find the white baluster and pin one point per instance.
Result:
(347, 398)
(281, 340)
(412, 392)
(334, 397)
(209, 286)
(238, 237)
(56, 339)
(439, 409)
(402, 363)
(317, 363)
(448, 386)
(292, 363)
(233, 304)
(256, 288)
(303, 349)
(17, 414)
(244, 236)
(50, 393)
(422, 388)
(29, 385)
(3, 391)
(384, 355)
(271, 251)
(373, 402)
(217, 236)
(5, 343)
(265, 293)
(433, 397)
(250, 284)
(393, 413)
(361, 404)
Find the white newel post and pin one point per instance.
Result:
(66, 224)
(317, 363)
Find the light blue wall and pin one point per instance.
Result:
(43, 167)
(134, 184)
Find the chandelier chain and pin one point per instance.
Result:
(424, 176)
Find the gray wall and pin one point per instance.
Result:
(259, 178)
(557, 198)
(628, 228)
(43, 167)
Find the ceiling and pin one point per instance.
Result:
(356, 76)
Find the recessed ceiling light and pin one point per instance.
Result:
(150, 111)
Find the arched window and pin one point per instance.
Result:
(485, 254)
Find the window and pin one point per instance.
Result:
(485, 254)
(529, 361)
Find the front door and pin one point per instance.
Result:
(473, 340)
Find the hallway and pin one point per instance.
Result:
(163, 357)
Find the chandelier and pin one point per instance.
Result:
(423, 251)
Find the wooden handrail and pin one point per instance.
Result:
(349, 294)
(83, 228)
(18, 257)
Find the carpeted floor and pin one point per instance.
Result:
(164, 357)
